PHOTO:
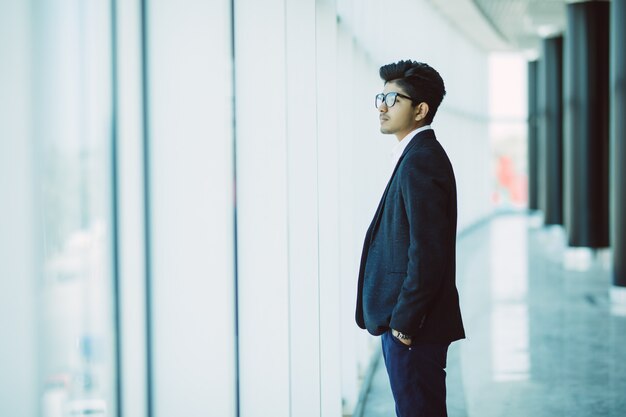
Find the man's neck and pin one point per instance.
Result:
(401, 136)
(404, 134)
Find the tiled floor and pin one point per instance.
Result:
(541, 339)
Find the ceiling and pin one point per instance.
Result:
(501, 25)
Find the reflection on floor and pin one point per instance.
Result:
(541, 339)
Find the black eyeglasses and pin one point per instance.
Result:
(389, 99)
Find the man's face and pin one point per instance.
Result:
(399, 119)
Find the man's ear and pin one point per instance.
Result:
(422, 111)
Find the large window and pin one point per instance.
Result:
(73, 134)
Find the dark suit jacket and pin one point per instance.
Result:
(407, 273)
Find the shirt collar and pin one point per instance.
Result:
(397, 150)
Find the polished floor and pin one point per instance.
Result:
(542, 341)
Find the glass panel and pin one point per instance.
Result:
(508, 129)
(73, 138)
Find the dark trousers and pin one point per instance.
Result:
(417, 376)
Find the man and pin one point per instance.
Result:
(407, 291)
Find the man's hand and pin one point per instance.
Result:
(406, 342)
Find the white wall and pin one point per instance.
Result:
(262, 208)
(310, 164)
(310, 169)
(371, 34)
(328, 208)
(420, 33)
(192, 207)
(302, 209)
(287, 203)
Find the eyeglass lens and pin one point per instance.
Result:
(389, 99)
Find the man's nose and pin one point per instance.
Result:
(383, 107)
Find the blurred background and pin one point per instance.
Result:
(185, 187)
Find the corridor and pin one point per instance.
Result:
(541, 338)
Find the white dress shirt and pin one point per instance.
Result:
(397, 150)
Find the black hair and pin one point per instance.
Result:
(420, 81)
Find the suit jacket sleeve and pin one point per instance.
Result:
(425, 190)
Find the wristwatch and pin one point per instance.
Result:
(400, 335)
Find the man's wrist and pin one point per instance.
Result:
(400, 335)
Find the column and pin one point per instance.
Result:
(551, 131)
(586, 101)
(328, 161)
(533, 140)
(262, 208)
(191, 198)
(21, 385)
(618, 144)
(131, 236)
(278, 206)
(302, 212)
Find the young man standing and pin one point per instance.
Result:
(407, 290)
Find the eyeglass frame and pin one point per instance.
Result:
(389, 94)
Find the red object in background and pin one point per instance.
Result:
(516, 184)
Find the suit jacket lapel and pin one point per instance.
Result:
(417, 138)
